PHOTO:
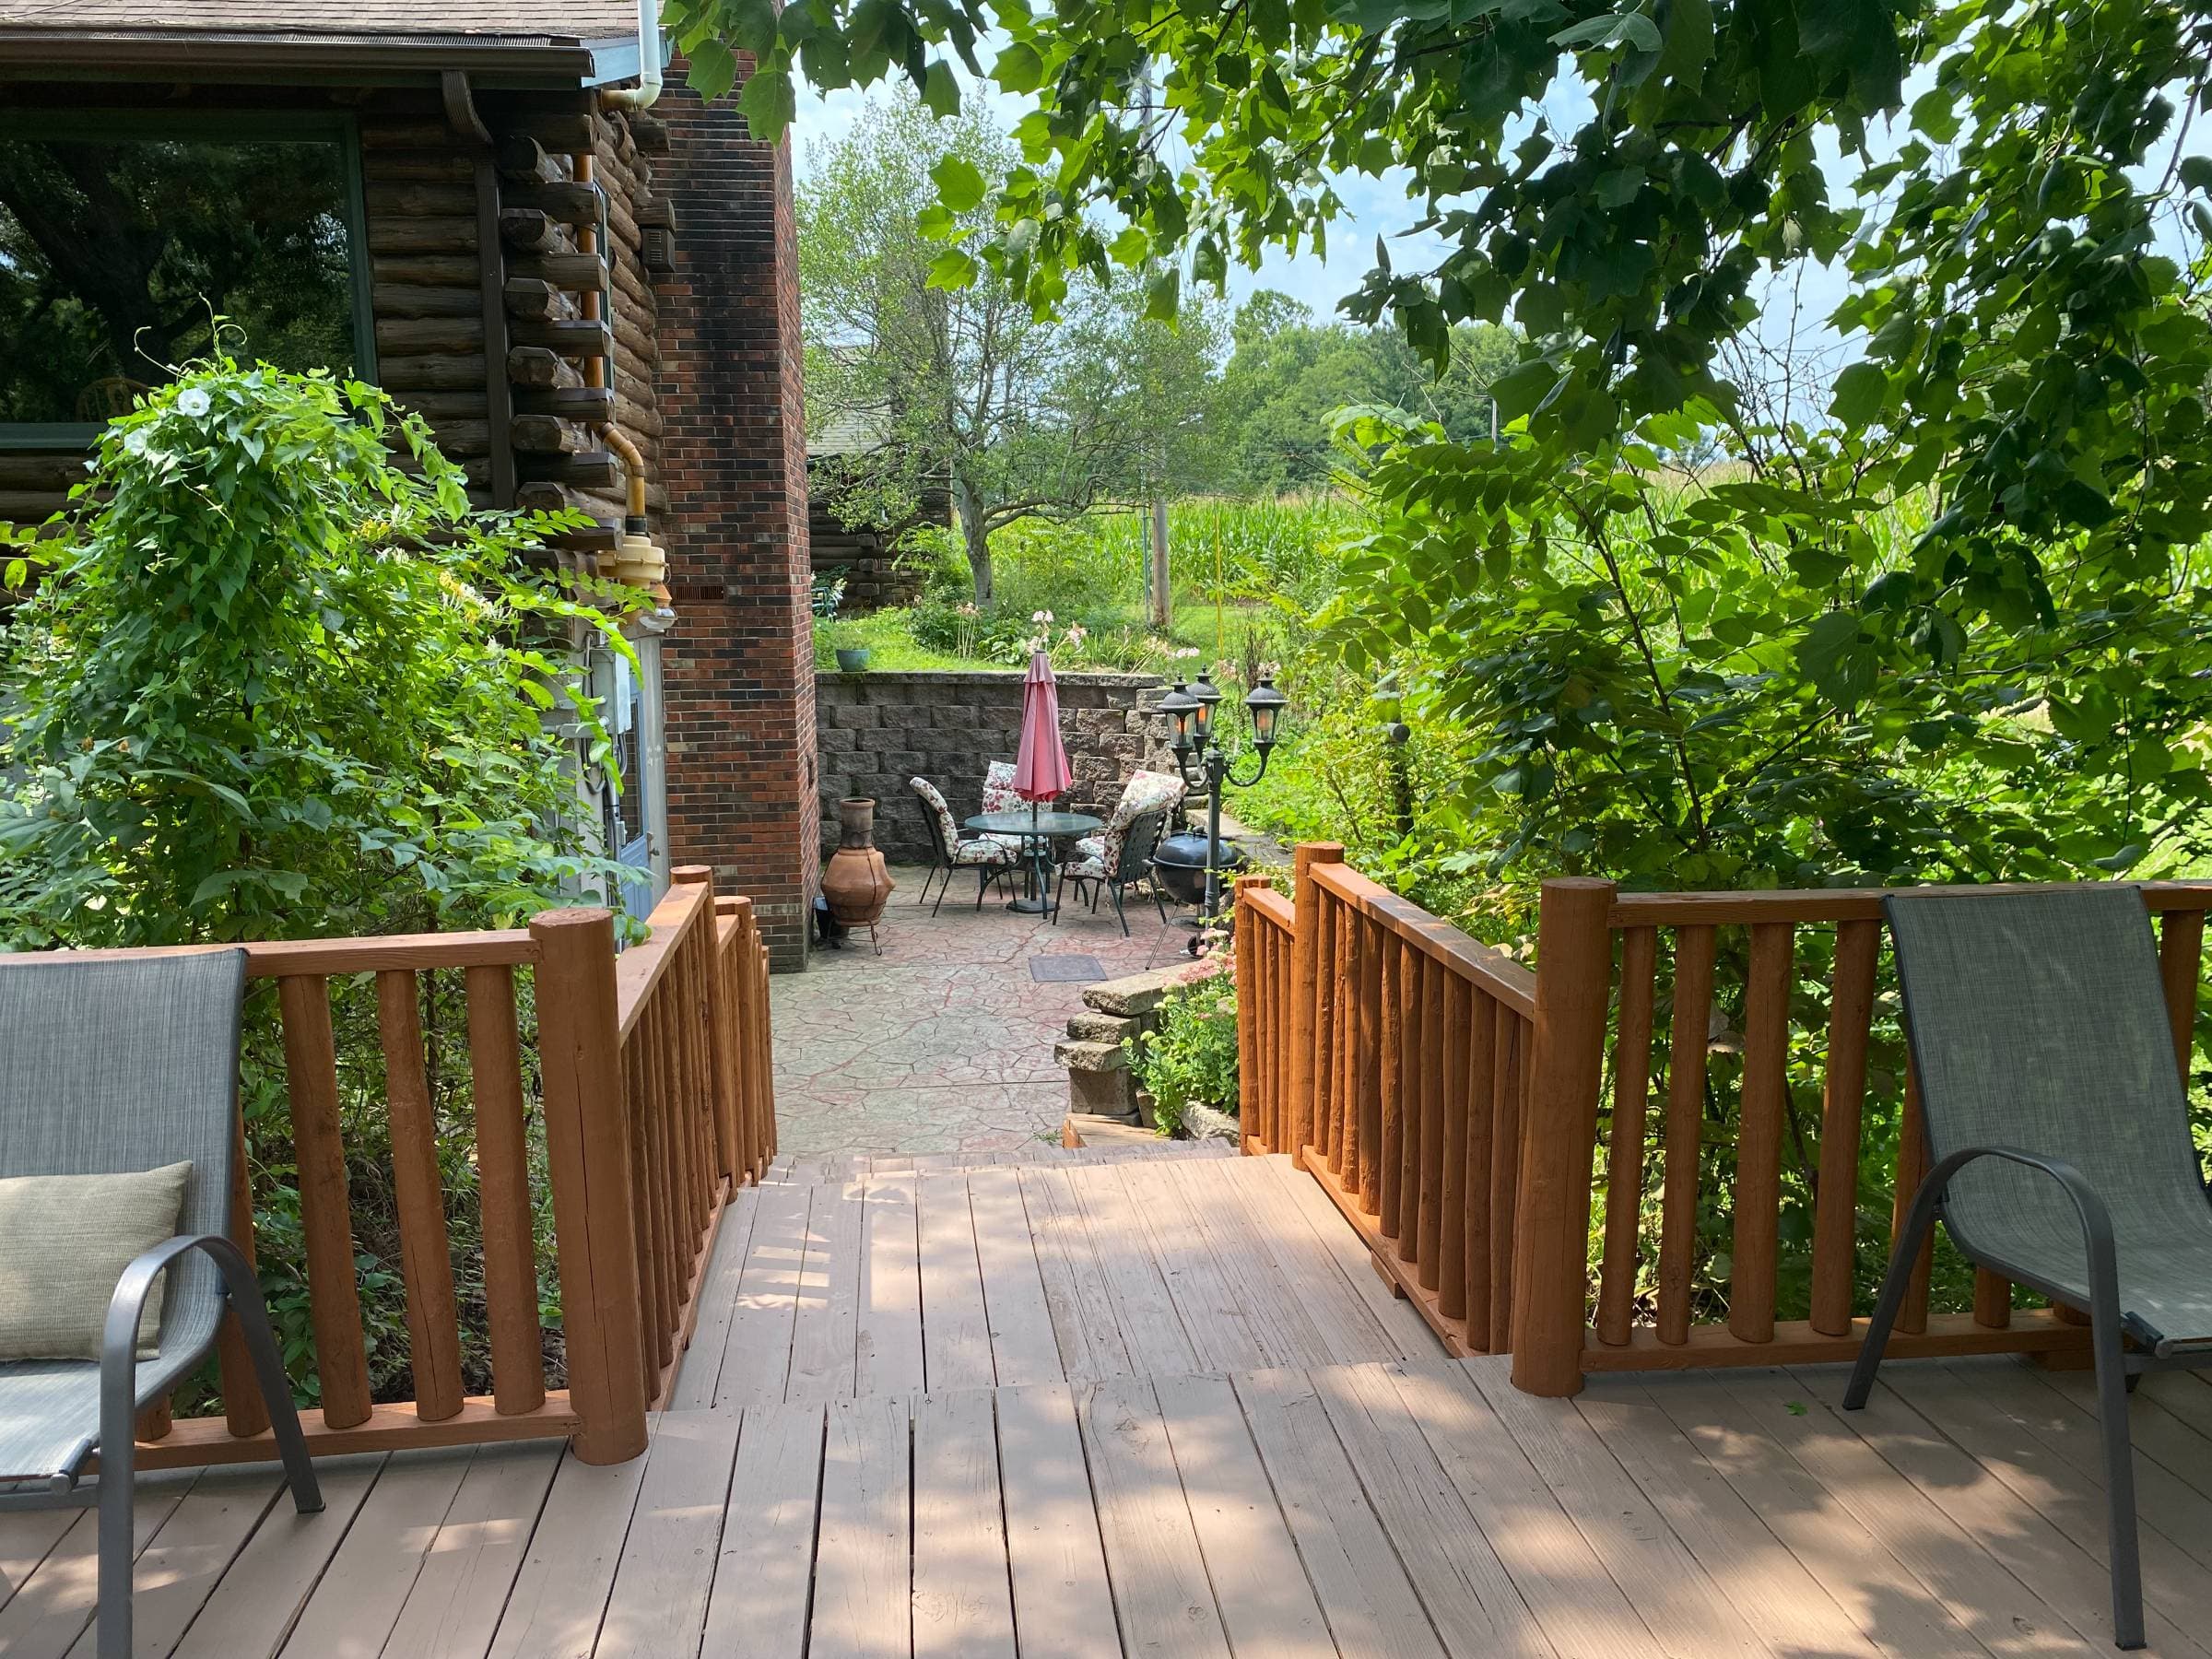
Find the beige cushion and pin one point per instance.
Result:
(65, 1240)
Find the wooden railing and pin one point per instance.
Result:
(1449, 1102)
(1390, 1057)
(656, 1102)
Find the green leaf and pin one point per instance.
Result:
(1018, 69)
(1861, 391)
(940, 92)
(955, 268)
(712, 69)
(959, 184)
(1837, 659)
(1163, 295)
(1688, 39)
(767, 104)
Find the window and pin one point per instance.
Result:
(121, 240)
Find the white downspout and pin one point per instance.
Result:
(647, 92)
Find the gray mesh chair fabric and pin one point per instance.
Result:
(2038, 1021)
(111, 1065)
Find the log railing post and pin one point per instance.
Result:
(1252, 992)
(1305, 990)
(1551, 1233)
(587, 1144)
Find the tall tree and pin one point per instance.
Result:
(941, 370)
(1995, 507)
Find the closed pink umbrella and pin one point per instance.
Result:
(1041, 770)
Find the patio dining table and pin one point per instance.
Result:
(1037, 831)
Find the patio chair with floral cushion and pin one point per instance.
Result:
(1132, 846)
(991, 857)
(999, 796)
(1144, 791)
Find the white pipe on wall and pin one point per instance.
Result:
(647, 92)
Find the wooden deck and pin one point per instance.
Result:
(1164, 1407)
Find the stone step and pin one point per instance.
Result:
(1092, 1027)
(1085, 1055)
(1136, 994)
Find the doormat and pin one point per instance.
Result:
(1065, 969)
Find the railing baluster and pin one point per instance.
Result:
(1510, 1059)
(325, 1210)
(1411, 1064)
(1368, 1074)
(649, 1185)
(1453, 1091)
(1486, 1017)
(518, 1371)
(1436, 1039)
(1835, 1218)
(1390, 1083)
(1624, 1147)
(1311, 975)
(1759, 1130)
(418, 1190)
(1685, 1127)
(2181, 965)
(1345, 1025)
(243, 1411)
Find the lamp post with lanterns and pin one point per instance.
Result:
(1199, 746)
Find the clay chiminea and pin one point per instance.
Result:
(856, 886)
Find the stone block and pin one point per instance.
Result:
(1085, 1055)
(1137, 994)
(1092, 1027)
(1102, 1095)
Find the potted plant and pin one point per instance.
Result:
(852, 659)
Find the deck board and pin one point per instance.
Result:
(1018, 1318)
(1357, 1494)
(763, 1574)
(956, 1327)
(963, 1604)
(2067, 1578)
(1055, 1563)
(862, 1577)
(1091, 1346)
(1160, 1594)
(887, 1340)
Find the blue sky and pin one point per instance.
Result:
(1794, 310)
(1377, 206)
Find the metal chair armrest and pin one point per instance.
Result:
(2096, 1218)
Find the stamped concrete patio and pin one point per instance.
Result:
(944, 1043)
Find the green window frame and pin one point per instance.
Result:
(242, 127)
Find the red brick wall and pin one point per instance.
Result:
(738, 666)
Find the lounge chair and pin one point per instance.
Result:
(120, 1066)
(2059, 1140)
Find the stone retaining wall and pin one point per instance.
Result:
(875, 730)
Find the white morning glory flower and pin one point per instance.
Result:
(135, 441)
(195, 402)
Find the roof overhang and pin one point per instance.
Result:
(293, 58)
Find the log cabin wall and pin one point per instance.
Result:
(695, 355)
(433, 344)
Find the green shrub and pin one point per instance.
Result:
(1191, 1055)
(277, 682)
